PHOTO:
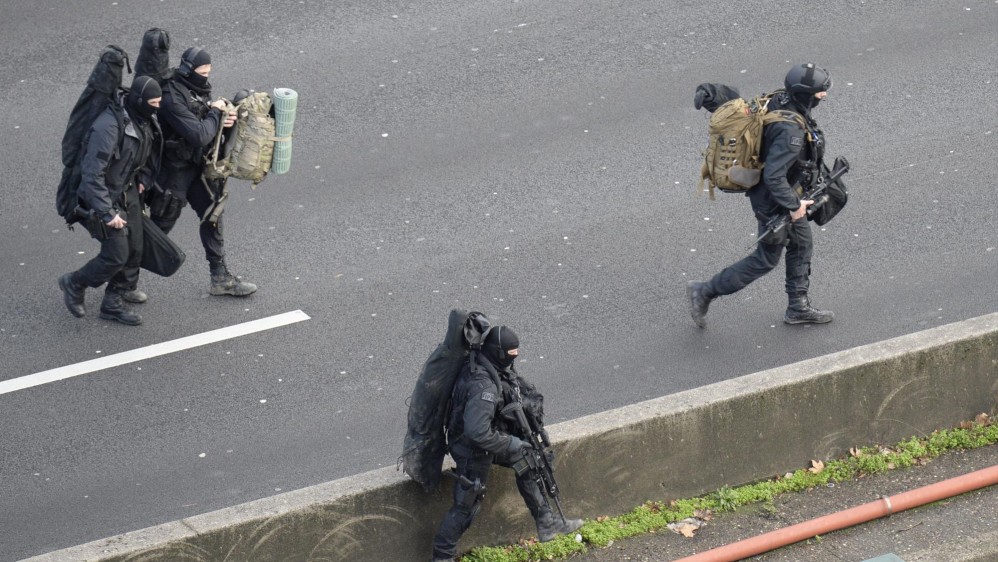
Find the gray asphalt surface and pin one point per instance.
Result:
(534, 160)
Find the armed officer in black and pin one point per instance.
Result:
(792, 156)
(190, 123)
(478, 436)
(115, 168)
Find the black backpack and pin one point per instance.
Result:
(103, 89)
(425, 442)
(154, 56)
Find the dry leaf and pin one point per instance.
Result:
(982, 418)
(703, 514)
(687, 527)
(602, 518)
(855, 452)
(816, 467)
(967, 425)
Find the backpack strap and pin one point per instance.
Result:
(787, 116)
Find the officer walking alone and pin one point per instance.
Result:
(792, 157)
(478, 437)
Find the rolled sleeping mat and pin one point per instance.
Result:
(285, 106)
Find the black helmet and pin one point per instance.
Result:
(807, 79)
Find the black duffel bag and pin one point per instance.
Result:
(160, 255)
(833, 200)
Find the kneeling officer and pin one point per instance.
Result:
(112, 177)
(478, 436)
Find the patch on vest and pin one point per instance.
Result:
(489, 397)
(796, 141)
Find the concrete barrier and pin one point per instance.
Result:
(681, 445)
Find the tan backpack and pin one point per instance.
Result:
(251, 146)
(731, 161)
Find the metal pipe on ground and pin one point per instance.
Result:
(883, 507)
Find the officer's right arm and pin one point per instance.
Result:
(479, 412)
(198, 133)
(93, 167)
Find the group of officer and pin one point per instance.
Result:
(115, 179)
(165, 171)
(477, 435)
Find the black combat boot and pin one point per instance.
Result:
(134, 296)
(72, 293)
(435, 559)
(699, 301)
(113, 307)
(800, 311)
(550, 526)
(225, 283)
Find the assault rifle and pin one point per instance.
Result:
(826, 178)
(538, 460)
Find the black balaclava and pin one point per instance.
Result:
(500, 340)
(144, 88)
(191, 59)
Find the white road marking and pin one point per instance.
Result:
(155, 350)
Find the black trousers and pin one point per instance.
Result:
(117, 264)
(795, 237)
(185, 186)
(467, 503)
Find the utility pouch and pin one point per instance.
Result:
(165, 205)
(177, 150)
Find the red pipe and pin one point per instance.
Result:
(849, 517)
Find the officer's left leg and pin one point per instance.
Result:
(126, 281)
(549, 525)
(222, 281)
(799, 251)
(467, 503)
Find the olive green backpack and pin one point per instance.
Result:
(249, 149)
(731, 161)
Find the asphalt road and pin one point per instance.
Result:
(536, 160)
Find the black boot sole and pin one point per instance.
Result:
(793, 321)
(108, 316)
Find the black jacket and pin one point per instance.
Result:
(108, 169)
(475, 423)
(189, 124)
(788, 155)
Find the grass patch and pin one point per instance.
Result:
(653, 515)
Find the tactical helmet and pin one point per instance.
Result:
(807, 79)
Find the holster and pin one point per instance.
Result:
(219, 191)
(164, 204)
(94, 225)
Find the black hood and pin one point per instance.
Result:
(500, 340)
(144, 88)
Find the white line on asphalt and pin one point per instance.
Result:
(151, 351)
